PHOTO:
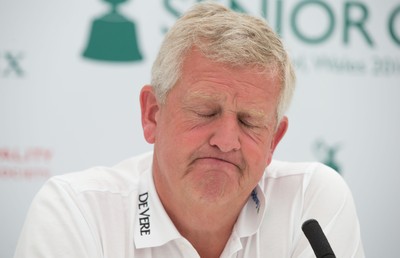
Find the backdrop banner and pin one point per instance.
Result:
(71, 73)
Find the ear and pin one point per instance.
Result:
(279, 133)
(149, 109)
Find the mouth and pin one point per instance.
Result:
(219, 162)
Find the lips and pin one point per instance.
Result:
(217, 160)
(221, 161)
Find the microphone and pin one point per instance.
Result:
(318, 241)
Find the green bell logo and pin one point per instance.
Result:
(113, 38)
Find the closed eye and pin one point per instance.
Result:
(206, 114)
(247, 124)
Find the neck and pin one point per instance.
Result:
(207, 227)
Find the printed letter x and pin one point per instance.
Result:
(13, 64)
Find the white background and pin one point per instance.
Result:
(67, 113)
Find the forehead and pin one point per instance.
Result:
(209, 80)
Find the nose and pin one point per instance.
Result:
(226, 133)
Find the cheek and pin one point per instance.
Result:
(190, 132)
(177, 139)
(258, 155)
(268, 154)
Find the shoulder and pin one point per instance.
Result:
(298, 191)
(279, 168)
(80, 213)
(319, 191)
(121, 178)
(311, 173)
(310, 183)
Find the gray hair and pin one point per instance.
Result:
(223, 36)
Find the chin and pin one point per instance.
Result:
(214, 189)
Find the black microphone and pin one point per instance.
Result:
(317, 239)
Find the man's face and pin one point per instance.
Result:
(215, 134)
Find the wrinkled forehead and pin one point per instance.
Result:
(271, 68)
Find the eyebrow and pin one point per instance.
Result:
(201, 95)
(256, 113)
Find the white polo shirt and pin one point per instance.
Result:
(115, 212)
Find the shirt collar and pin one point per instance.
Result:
(252, 214)
(153, 227)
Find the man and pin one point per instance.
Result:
(215, 114)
